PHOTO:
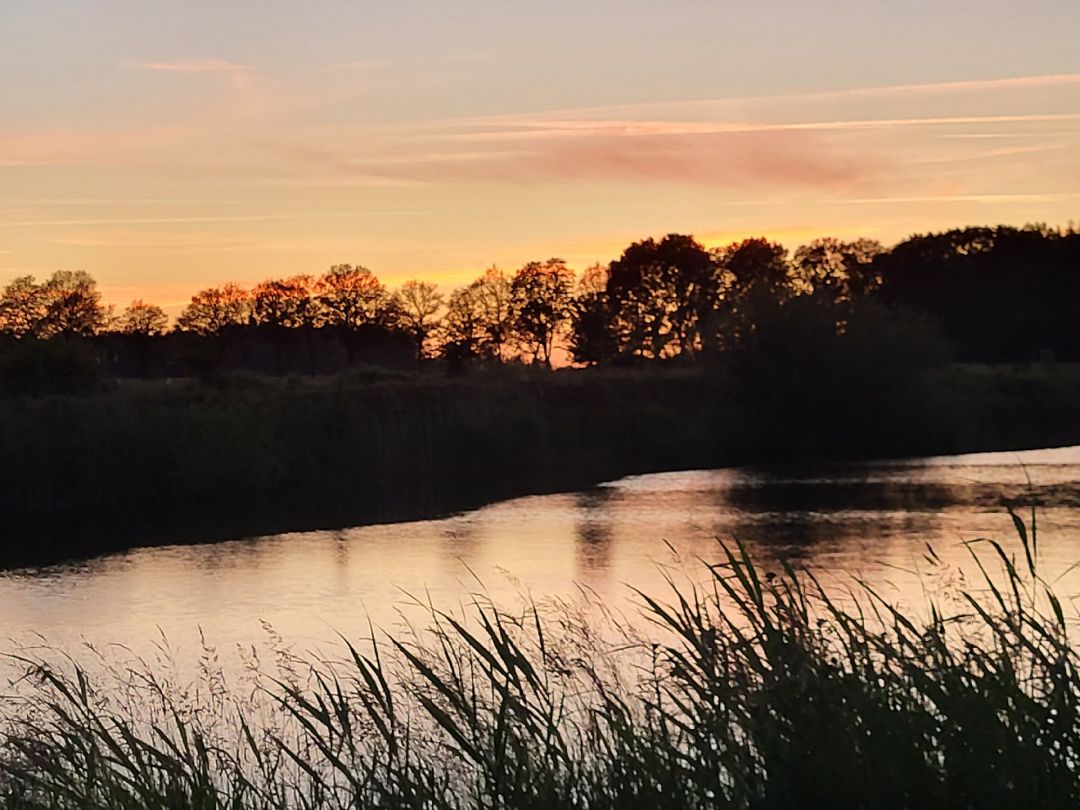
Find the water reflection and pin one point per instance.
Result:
(593, 532)
(461, 540)
(870, 520)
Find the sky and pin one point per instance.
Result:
(165, 147)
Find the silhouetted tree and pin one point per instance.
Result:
(463, 333)
(351, 295)
(540, 293)
(214, 309)
(753, 273)
(494, 301)
(662, 294)
(67, 303)
(417, 304)
(846, 269)
(1000, 294)
(642, 298)
(138, 345)
(593, 280)
(141, 318)
(73, 305)
(22, 307)
(288, 303)
(592, 337)
(755, 264)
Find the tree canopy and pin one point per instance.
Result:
(996, 294)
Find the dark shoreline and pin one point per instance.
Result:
(84, 476)
(45, 543)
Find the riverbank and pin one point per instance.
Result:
(187, 462)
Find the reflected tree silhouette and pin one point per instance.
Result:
(593, 531)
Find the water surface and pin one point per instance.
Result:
(870, 520)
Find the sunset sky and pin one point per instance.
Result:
(168, 146)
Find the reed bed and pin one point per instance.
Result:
(759, 689)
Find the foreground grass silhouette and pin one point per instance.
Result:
(758, 690)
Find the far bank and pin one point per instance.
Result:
(189, 462)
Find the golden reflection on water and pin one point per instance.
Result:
(872, 521)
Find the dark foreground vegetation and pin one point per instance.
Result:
(153, 463)
(756, 690)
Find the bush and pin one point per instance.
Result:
(59, 366)
(820, 381)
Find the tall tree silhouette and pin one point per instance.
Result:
(464, 336)
(73, 304)
(22, 308)
(214, 309)
(541, 293)
(494, 299)
(755, 276)
(662, 294)
(67, 303)
(352, 296)
(418, 303)
(289, 303)
(755, 264)
(141, 325)
(140, 318)
(844, 269)
(593, 339)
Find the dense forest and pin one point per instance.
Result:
(999, 294)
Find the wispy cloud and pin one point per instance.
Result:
(961, 198)
(931, 88)
(706, 105)
(192, 66)
(981, 136)
(35, 223)
(64, 202)
(555, 128)
(236, 94)
(142, 237)
(990, 154)
(353, 65)
(795, 140)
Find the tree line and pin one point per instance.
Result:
(996, 294)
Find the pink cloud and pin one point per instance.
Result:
(719, 160)
(734, 160)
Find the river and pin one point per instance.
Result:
(869, 520)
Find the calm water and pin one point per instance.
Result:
(872, 520)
